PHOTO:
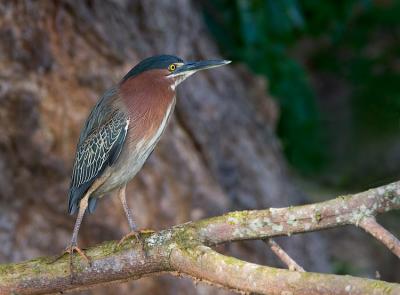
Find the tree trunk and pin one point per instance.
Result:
(219, 153)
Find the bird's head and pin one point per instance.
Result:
(172, 68)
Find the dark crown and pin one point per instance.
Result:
(152, 63)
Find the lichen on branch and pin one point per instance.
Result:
(185, 249)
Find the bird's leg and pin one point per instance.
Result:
(73, 247)
(134, 232)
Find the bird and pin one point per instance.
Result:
(121, 132)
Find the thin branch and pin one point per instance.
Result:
(283, 256)
(381, 234)
(184, 249)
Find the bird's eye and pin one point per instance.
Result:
(172, 67)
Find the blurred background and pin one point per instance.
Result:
(309, 109)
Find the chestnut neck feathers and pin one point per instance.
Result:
(147, 98)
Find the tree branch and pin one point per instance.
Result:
(203, 262)
(261, 224)
(283, 256)
(381, 234)
(183, 249)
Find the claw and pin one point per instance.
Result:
(71, 249)
(135, 234)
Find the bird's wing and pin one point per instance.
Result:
(96, 150)
(100, 114)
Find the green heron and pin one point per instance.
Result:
(122, 131)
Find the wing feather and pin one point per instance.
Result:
(97, 151)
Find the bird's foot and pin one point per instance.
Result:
(138, 236)
(69, 250)
(135, 233)
(131, 234)
(74, 248)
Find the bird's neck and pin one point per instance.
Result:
(147, 99)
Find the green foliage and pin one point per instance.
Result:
(261, 34)
(365, 56)
(355, 40)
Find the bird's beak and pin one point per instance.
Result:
(189, 68)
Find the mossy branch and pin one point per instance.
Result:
(185, 249)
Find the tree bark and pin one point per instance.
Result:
(219, 154)
(184, 249)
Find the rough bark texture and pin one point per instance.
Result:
(220, 152)
(185, 250)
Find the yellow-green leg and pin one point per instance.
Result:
(133, 229)
(73, 247)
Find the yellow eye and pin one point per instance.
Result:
(172, 67)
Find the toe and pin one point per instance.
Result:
(147, 231)
(81, 253)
